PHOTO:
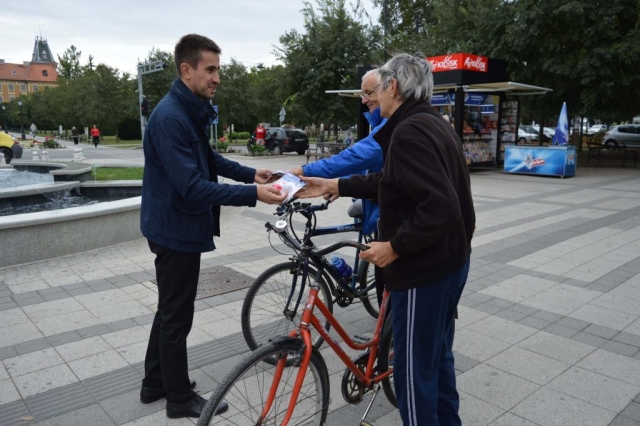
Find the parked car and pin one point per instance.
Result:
(547, 132)
(624, 134)
(596, 128)
(10, 147)
(526, 137)
(298, 141)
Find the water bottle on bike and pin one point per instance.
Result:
(341, 266)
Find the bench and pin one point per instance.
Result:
(618, 152)
(324, 150)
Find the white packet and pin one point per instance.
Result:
(288, 184)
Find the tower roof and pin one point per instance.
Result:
(41, 52)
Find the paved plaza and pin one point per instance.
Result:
(548, 331)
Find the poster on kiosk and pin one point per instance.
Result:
(559, 159)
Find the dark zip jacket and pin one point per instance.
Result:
(181, 196)
(424, 192)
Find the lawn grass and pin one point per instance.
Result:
(119, 173)
(111, 140)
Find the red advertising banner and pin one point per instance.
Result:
(459, 61)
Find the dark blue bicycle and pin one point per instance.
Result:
(272, 305)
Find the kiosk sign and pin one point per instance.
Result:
(459, 61)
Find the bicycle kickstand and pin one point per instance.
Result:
(376, 389)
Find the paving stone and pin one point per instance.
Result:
(574, 323)
(599, 390)
(613, 365)
(464, 363)
(7, 306)
(7, 352)
(103, 287)
(561, 330)
(44, 380)
(488, 308)
(502, 329)
(32, 346)
(501, 303)
(127, 407)
(589, 339)
(144, 319)
(556, 347)
(52, 290)
(496, 387)
(547, 316)
(74, 286)
(92, 415)
(94, 330)
(81, 291)
(55, 296)
(96, 283)
(601, 331)
(624, 421)
(122, 324)
(620, 348)
(632, 411)
(30, 301)
(528, 365)
(474, 411)
(509, 419)
(527, 310)
(627, 339)
(551, 408)
(62, 338)
(511, 315)
(534, 322)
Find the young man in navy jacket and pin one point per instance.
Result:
(180, 214)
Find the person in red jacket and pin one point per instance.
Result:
(95, 133)
(260, 134)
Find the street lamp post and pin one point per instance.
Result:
(5, 118)
(21, 122)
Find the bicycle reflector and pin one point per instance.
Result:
(281, 225)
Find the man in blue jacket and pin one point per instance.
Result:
(365, 156)
(180, 214)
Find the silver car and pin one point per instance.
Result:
(624, 134)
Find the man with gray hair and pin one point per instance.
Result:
(427, 221)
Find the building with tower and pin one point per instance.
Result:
(31, 76)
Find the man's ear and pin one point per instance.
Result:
(185, 70)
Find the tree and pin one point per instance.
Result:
(325, 57)
(69, 65)
(236, 105)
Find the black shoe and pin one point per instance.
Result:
(149, 395)
(192, 408)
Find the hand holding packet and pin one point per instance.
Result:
(288, 184)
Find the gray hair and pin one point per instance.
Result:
(413, 74)
(370, 73)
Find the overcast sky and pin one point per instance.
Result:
(119, 32)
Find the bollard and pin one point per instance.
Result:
(76, 154)
(45, 156)
(2, 160)
(34, 155)
(81, 154)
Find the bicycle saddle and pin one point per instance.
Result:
(355, 209)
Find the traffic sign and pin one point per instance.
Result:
(215, 120)
(282, 115)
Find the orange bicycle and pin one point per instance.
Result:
(286, 382)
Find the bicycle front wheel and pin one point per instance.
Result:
(247, 388)
(366, 278)
(265, 314)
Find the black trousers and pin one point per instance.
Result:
(166, 361)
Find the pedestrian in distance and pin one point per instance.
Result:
(75, 135)
(33, 129)
(427, 221)
(180, 214)
(95, 134)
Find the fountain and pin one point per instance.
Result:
(53, 209)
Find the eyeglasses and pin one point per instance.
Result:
(368, 93)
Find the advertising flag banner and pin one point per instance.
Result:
(561, 137)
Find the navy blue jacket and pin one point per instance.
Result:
(365, 156)
(181, 196)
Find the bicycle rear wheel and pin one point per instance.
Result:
(246, 389)
(263, 311)
(385, 359)
(366, 278)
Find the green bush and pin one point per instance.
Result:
(257, 149)
(240, 135)
(51, 143)
(222, 146)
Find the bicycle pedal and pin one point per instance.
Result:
(360, 339)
